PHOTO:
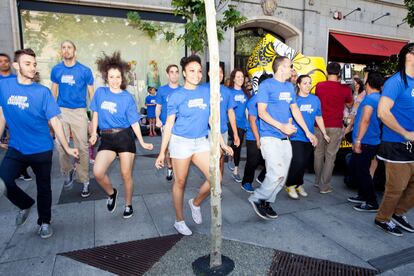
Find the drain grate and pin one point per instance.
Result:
(297, 265)
(128, 258)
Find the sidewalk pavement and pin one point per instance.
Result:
(319, 226)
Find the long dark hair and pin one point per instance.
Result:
(233, 76)
(409, 48)
(105, 63)
(361, 85)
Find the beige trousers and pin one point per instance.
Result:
(75, 121)
(325, 155)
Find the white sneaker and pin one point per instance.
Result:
(195, 212)
(292, 192)
(182, 228)
(301, 191)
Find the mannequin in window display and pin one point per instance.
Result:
(153, 78)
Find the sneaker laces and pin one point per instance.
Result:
(44, 227)
(391, 224)
(109, 201)
(127, 209)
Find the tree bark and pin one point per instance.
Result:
(215, 255)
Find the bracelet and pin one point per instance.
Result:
(358, 141)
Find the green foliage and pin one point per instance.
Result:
(389, 66)
(193, 12)
(410, 15)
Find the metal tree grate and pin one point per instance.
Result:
(128, 258)
(297, 265)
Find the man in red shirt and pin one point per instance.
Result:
(333, 96)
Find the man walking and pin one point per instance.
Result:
(333, 96)
(70, 83)
(396, 111)
(276, 103)
(28, 108)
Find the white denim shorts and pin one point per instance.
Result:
(182, 148)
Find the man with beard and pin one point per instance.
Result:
(71, 81)
(29, 108)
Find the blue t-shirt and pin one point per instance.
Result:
(150, 99)
(310, 107)
(373, 134)
(192, 110)
(115, 110)
(162, 99)
(226, 102)
(278, 96)
(403, 109)
(27, 110)
(252, 108)
(73, 83)
(7, 77)
(241, 100)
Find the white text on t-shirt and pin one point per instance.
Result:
(109, 106)
(285, 96)
(306, 108)
(68, 79)
(197, 103)
(19, 101)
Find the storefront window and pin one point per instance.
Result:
(43, 31)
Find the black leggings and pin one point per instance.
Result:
(237, 150)
(254, 159)
(301, 153)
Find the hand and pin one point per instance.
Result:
(158, 123)
(147, 146)
(409, 136)
(258, 144)
(312, 138)
(93, 139)
(4, 146)
(159, 163)
(228, 150)
(356, 147)
(73, 152)
(236, 140)
(327, 138)
(288, 128)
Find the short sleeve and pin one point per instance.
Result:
(231, 103)
(49, 105)
(293, 95)
(263, 93)
(369, 101)
(94, 102)
(53, 75)
(89, 77)
(132, 113)
(318, 107)
(391, 89)
(147, 99)
(174, 102)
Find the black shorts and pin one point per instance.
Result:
(123, 141)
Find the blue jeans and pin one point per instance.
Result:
(10, 169)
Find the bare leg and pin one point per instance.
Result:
(202, 161)
(103, 160)
(126, 160)
(181, 167)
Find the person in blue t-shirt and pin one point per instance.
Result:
(254, 155)
(29, 108)
(5, 68)
(186, 132)
(71, 82)
(115, 112)
(276, 104)
(240, 96)
(310, 107)
(366, 137)
(161, 99)
(227, 115)
(150, 103)
(396, 111)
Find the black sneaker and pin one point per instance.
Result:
(389, 227)
(169, 174)
(270, 213)
(128, 211)
(259, 208)
(402, 222)
(25, 177)
(111, 201)
(365, 207)
(356, 199)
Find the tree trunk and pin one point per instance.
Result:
(215, 255)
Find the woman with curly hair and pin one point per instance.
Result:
(115, 112)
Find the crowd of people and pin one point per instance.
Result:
(282, 124)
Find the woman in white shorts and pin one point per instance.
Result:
(186, 131)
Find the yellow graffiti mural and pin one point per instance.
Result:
(260, 62)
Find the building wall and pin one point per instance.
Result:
(312, 18)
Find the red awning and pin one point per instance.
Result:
(369, 45)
